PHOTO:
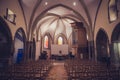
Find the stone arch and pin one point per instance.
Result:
(88, 29)
(6, 47)
(116, 33)
(19, 46)
(102, 45)
(115, 44)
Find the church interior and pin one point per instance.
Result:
(60, 40)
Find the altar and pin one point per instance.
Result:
(59, 52)
(58, 57)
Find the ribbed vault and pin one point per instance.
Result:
(56, 16)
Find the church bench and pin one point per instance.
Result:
(26, 71)
(90, 71)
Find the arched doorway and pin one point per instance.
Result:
(102, 46)
(19, 46)
(115, 40)
(5, 42)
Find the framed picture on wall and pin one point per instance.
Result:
(112, 10)
(10, 16)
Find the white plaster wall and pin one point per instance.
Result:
(102, 21)
(56, 48)
(15, 7)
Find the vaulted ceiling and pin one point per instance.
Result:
(55, 16)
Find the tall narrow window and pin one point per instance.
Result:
(112, 10)
(60, 41)
(46, 42)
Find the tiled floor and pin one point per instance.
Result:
(57, 72)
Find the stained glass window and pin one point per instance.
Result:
(60, 41)
(46, 42)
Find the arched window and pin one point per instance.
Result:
(112, 10)
(46, 42)
(60, 41)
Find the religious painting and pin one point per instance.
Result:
(112, 10)
(10, 16)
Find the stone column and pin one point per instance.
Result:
(29, 50)
(91, 50)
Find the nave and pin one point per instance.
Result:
(60, 70)
(60, 40)
(57, 72)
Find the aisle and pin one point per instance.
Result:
(57, 72)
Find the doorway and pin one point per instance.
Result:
(19, 46)
(102, 45)
(115, 51)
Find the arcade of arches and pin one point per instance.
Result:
(53, 37)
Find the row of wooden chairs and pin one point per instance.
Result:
(88, 70)
(26, 71)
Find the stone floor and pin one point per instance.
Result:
(57, 72)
